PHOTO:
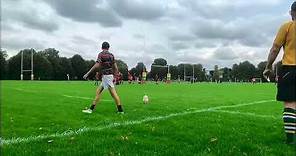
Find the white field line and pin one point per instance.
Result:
(69, 96)
(86, 98)
(247, 114)
(113, 125)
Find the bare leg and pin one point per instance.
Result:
(114, 95)
(97, 98)
(116, 99)
(290, 104)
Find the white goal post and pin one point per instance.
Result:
(160, 66)
(27, 70)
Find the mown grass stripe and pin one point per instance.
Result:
(113, 125)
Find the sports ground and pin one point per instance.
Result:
(45, 118)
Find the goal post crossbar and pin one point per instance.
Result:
(160, 66)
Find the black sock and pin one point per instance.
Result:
(289, 116)
(92, 107)
(119, 108)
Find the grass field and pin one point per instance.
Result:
(45, 118)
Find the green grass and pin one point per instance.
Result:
(29, 109)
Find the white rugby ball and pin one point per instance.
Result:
(145, 99)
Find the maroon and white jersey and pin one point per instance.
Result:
(106, 60)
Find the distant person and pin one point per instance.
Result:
(97, 78)
(120, 78)
(156, 79)
(253, 80)
(168, 78)
(68, 77)
(144, 76)
(286, 38)
(130, 78)
(109, 68)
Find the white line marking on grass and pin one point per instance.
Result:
(113, 125)
(69, 96)
(245, 113)
(87, 98)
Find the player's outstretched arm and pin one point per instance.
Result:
(274, 51)
(115, 68)
(92, 69)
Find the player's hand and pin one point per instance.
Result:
(85, 76)
(266, 74)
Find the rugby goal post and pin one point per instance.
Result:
(160, 66)
(191, 77)
(27, 70)
(168, 78)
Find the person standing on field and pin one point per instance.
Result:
(286, 87)
(107, 64)
(97, 78)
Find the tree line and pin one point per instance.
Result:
(48, 65)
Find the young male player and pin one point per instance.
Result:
(109, 68)
(286, 38)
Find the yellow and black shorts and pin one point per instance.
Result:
(286, 84)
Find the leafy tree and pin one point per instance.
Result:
(123, 68)
(3, 64)
(226, 73)
(42, 67)
(246, 71)
(160, 71)
(186, 69)
(79, 66)
(140, 68)
(235, 73)
(174, 72)
(259, 70)
(66, 68)
(199, 74)
(52, 55)
(216, 74)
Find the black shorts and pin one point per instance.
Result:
(286, 84)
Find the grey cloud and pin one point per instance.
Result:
(181, 37)
(238, 31)
(17, 43)
(29, 18)
(180, 45)
(139, 36)
(82, 40)
(86, 11)
(224, 53)
(230, 9)
(203, 43)
(142, 10)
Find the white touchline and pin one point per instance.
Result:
(245, 113)
(87, 98)
(113, 125)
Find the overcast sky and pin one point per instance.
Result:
(209, 32)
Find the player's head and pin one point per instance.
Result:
(293, 10)
(105, 45)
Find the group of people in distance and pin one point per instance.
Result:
(141, 79)
(286, 86)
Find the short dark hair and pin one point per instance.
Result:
(105, 45)
(293, 6)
